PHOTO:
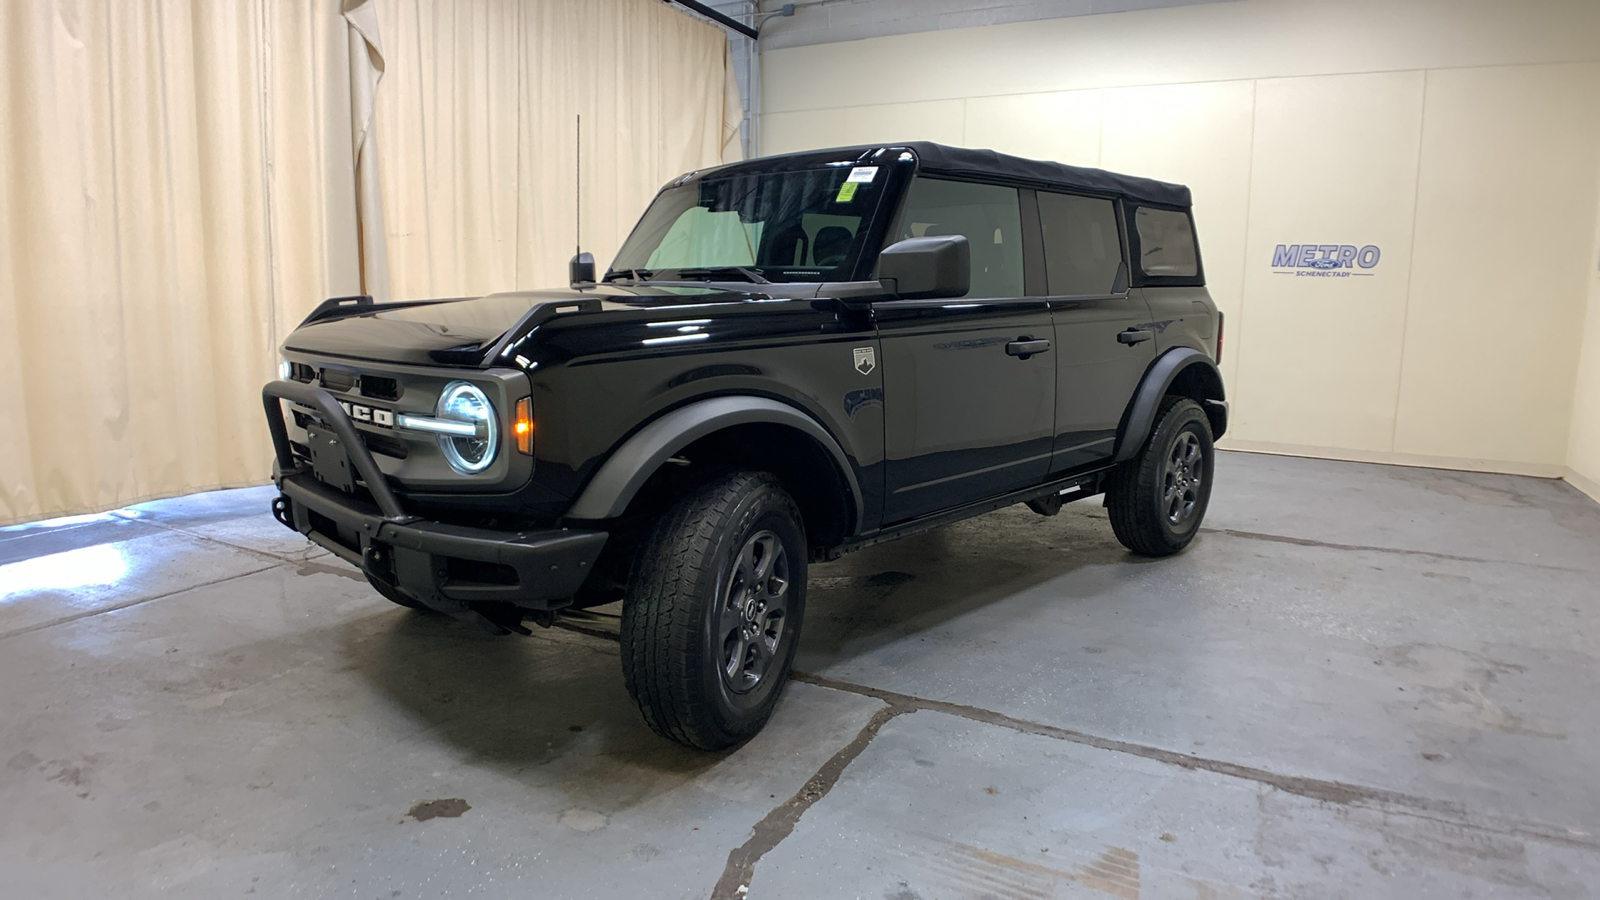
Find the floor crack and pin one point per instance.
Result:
(1402, 551)
(780, 822)
(1321, 790)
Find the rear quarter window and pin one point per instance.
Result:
(1165, 250)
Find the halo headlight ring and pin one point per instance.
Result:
(464, 402)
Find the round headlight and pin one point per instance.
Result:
(462, 402)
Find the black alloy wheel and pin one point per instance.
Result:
(1182, 478)
(753, 611)
(1158, 499)
(713, 609)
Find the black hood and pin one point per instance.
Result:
(463, 331)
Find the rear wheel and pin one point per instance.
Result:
(1158, 499)
(713, 610)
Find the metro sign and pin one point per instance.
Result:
(1324, 260)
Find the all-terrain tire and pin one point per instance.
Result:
(1158, 499)
(701, 612)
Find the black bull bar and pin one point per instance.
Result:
(451, 568)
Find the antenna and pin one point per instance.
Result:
(578, 158)
(580, 271)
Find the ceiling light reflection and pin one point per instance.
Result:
(675, 339)
(100, 564)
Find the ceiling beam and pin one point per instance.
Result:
(721, 19)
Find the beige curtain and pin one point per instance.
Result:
(181, 182)
(166, 210)
(476, 125)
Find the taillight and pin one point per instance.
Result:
(1219, 335)
(522, 426)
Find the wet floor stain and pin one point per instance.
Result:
(450, 808)
(890, 578)
(584, 820)
(960, 867)
(23, 761)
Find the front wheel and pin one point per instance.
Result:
(1158, 499)
(712, 612)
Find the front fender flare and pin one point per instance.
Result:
(1141, 416)
(613, 487)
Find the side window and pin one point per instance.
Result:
(1166, 243)
(991, 218)
(1082, 249)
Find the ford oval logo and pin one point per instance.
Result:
(1324, 264)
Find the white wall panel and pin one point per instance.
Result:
(1320, 356)
(1062, 125)
(1210, 42)
(1505, 221)
(1583, 447)
(941, 120)
(801, 129)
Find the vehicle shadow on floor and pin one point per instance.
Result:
(550, 711)
(522, 704)
(899, 589)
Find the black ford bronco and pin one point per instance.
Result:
(791, 358)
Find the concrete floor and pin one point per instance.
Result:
(1360, 682)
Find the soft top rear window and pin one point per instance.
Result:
(1164, 247)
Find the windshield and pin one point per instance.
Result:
(803, 225)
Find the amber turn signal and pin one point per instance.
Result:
(522, 425)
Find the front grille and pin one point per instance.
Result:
(385, 445)
(377, 443)
(336, 380)
(380, 388)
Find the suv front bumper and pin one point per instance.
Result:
(446, 567)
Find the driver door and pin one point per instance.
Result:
(969, 383)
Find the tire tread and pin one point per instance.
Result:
(661, 615)
(1135, 520)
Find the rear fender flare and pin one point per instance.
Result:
(620, 477)
(1140, 418)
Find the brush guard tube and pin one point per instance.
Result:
(449, 568)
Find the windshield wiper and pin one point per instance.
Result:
(632, 274)
(711, 272)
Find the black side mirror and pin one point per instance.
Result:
(582, 270)
(926, 267)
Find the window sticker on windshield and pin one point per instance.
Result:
(847, 192)
(863, 174)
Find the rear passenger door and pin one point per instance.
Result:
(966, 414)
(1104, 337)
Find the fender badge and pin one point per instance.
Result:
(866, 360)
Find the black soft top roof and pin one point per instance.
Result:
(988, 165)
(963, 161)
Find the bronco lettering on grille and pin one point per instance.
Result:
(369, 414)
